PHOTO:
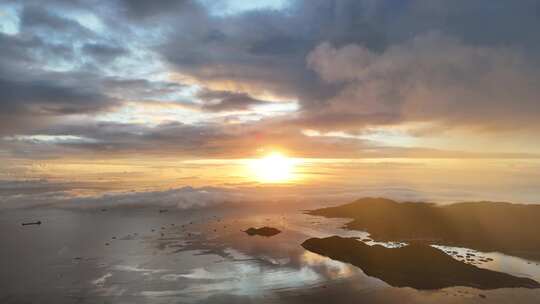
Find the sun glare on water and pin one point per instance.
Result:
(273, 168)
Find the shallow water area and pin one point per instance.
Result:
(190, 256)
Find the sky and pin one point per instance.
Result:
(99, 96)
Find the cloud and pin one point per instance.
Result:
(34, 17)
(40, 193)
(217, 101)
(29, 187)
(350, 65)
(266, 51)
(180, 198)
(102, 52)
(254, 52)
(137, 9)
(36, 101)
(38, 85)
(433, 78)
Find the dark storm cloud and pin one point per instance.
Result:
(31, 96)
(23, 104)
(216, 101)
(262, 50)
(34, 16)
(38, 20)
(326, 120)
(112, 140)
(143, 9)
(351, 64)
(33, 91)
(140, 89)
(268, 51)
(49, 98)
(179, 140)
(103, 52)
(485, 22)
(164, 139)
(15, 52)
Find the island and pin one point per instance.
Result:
(263, 231)
(485, 226)
(416, 265)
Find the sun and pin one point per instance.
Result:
(273, 168)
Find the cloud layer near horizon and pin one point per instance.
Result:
(317, 78)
